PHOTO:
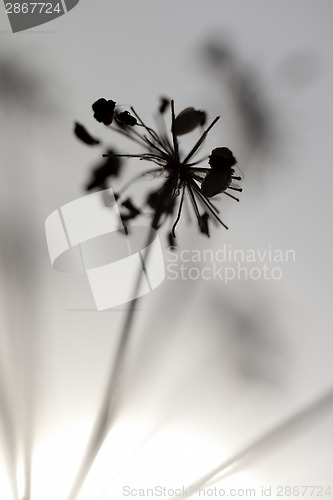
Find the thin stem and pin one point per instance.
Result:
(231, 196)
(207, 203)
(178, 215)
(143, 156)
(174, 137)
(211, 205)
(196, 169)
(273, 437)
(141, 142)
(137, 177)
(200, 141)
(106, 412)
(197, 162)
(152, 145)
(150, 131)
(197, 177)
(194, 203)
(160, 122)
(9, 444)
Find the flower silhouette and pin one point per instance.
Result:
(104, 111)
(183, 175)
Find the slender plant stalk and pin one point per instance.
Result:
(271, 438)
(107, 409)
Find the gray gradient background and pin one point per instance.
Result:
(211, 367)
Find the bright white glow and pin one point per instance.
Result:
(55, 463)
(134, 456)
(5, 487)
(20, 479)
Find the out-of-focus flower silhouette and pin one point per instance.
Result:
(109, 167)
(24, 100)
(81, 133)
(24, 90)
(258, 122)
(255, 341)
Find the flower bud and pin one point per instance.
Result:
(222, 158)
(104, 111)
(126, 118)
(187, 120)
(215, 182)
(164, 104)
(203, 224)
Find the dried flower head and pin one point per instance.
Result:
(104, 111)
(184, 177)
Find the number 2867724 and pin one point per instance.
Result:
(33, 8)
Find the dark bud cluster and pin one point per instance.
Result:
(222, 158)
(104, 111)
(126, 118)
(221, 174)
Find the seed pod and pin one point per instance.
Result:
(82, 133)
(216, 182)
(188, 120)
(172, 241)
(222, 158)
(104, 111)
(203, 224)
(164, 104)
(125, 118)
